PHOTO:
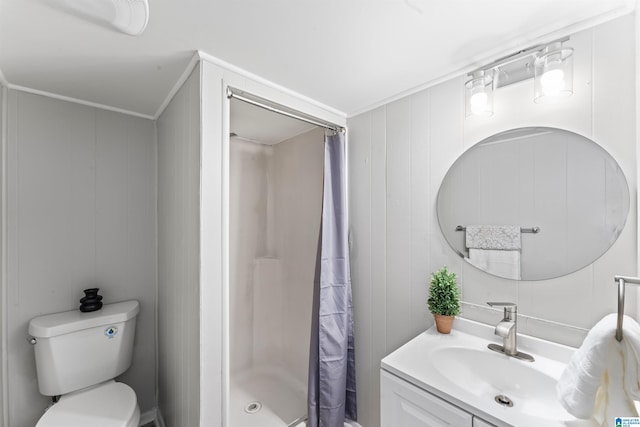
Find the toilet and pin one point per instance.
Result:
(78, 355)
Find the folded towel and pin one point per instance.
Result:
(495, 249)
(501, 263)
(502, 237)
(601, 379)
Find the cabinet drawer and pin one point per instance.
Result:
(403, 404)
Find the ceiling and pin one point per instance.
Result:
(255, 124)
(347, 54)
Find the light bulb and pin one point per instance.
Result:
(479, 94)
(478, 102)
(553, 74)
(553, 82)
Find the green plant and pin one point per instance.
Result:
(444, 296)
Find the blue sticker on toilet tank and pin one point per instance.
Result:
(627, 421)
(111, 331)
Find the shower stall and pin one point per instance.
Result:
(275, 214)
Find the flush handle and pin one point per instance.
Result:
(32, 340)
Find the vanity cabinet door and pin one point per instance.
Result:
(402, 404)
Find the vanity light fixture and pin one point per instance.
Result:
(553, 73)
(551, 66)
(479, 93)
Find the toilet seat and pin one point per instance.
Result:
(111, 404)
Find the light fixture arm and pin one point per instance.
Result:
(517, 66)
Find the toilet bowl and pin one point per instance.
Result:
(111, 404)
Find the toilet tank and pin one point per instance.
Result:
(75, 350)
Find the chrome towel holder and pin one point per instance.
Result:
(621, 281)
(533, 230)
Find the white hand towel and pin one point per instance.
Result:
(603, 372)
(495, 249)
(498, 262)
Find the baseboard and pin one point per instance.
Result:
(159, 419)
(149, 417)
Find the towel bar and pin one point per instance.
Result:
(621, 281)
(522, 230)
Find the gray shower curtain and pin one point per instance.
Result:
(332, 376)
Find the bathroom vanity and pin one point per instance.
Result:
(404, 404)
(455, 380)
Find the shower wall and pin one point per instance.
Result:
(299, 182)
(251, 188)
(275, 212)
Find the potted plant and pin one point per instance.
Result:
(444, 299)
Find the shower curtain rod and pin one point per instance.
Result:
(280, 109)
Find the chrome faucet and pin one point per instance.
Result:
(508, 330)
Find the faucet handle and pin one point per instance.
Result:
(510, 308)
(502, 304)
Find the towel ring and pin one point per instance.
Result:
(621, 281)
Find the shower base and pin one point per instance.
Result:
(268, 397)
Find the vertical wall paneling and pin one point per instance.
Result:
(398, 136)
(359, 146)
(614, 127)
(213, 256)
(125, 257)
(446, 115)
(404, 176)
(11, 238)
(4, 419)
(378, 253)
(81, 213)
(178, 130)
(420, 212)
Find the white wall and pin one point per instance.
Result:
(214, 163)
(81, 213)
(398, 156)
(179, 257)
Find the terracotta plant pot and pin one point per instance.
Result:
(444, 323)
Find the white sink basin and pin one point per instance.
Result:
(488, 374)
(461, 369)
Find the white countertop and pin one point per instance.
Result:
(455, 366)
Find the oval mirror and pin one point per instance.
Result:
(533, 203)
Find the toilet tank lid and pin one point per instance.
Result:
(51, 325)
